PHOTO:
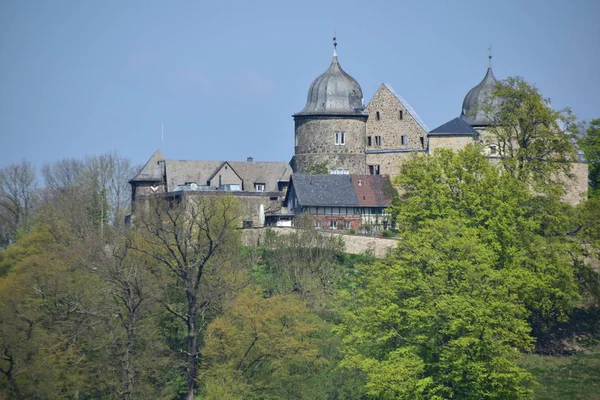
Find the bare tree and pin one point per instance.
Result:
(17, 199)
(190, 236)
(63, 174)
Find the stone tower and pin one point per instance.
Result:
(331, 129)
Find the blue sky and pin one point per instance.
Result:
(81, 78)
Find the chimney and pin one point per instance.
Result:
(250, 159)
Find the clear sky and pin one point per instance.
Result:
(224, 77)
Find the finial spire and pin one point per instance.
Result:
(334, 45)
(490, 56)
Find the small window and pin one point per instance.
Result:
(347, 225)
(340, 138)
(377, 140)
(369, 141)
(296, 139)
(401, 115)
(422, 139)
(404, 139)
(493, 150)
(259, 187)
(332, 225)
(318, 224)
(374, 169)
(377, 116)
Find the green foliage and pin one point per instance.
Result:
(533, 147)
(260, 348)
(527, 234)
(316, 168)
(438, 320)
(590, 144)
(305, 261)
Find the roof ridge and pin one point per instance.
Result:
(407, 106)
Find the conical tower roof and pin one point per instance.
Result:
(475, 108)
(334, 92)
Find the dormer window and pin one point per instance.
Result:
(259, 187)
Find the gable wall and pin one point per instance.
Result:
(389, 126)
(228, 177)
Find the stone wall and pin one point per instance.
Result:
(315, 143)
(577, 184)
(390, 163)
(389, 125)
(454, 143)
(355, 244)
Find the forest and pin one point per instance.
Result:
(491, 267)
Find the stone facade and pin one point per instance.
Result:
(315, 142)
(354, 244)
(390, 120)
(390, 163)
(454, 143)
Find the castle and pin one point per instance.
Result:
(335, 132)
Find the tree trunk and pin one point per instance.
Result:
(192, 351)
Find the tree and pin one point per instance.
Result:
(535, 142)
(590, 144)
(304, 261)
(438, 320)
(17, 200)
(530, 235)
(191, 237)
(261, 348)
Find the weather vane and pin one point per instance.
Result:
(490, 55)
(335, 44)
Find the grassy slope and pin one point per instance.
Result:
(567, 377)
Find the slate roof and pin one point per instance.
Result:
(340, 190)
(334, 92)
(456, 127)
(152, 171)
(178, 172)
(475, 102)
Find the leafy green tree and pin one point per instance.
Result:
(529, 234)
(261, 348)
(535, 141)
(590, 144)
(438, 320)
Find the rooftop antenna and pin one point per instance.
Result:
(490, 56)
(334, 44)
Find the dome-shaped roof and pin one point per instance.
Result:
(334, 92)
(478, 99)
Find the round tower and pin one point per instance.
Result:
(330, 131)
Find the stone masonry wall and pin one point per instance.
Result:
(454, 143)
(390, 163)
(389, 126)
(355, 244)
(315, 138)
